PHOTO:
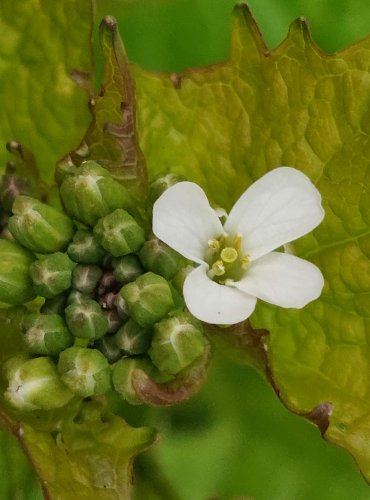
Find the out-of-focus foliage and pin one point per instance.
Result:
(17, 480)
(170, 35)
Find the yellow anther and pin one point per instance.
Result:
(237, 243)
(229, 255)
(245, 261)
(218, 268)
(214, 245)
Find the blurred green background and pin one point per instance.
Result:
(234, 439)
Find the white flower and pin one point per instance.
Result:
(236, 260)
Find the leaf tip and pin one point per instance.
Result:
(110, 23)
(320, 416)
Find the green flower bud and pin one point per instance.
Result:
(64, 168)
(84, 248)
(15, 283)
(109, 348)
(119, 233)
(84, 371)
(122, 377)
(179, 278)
(93, 193)
(39, 227)
(46, 334)
(86, 320)
(177, 342)
(160, 185)
(133, 339)
(34, 384)
(77, 297)
(52, 274)
(158, 257)
(114, 321)
(149, 298)
(127, 268)
(121, 307)
(55, 305)
(85, 277)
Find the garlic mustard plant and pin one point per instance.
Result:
(237, 261)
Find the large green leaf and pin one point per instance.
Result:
(225, 126)
(43, 43)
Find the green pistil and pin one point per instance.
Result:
(229, 255)
(225, 258)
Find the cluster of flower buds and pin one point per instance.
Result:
(112, 297)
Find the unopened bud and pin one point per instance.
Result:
(108, 346)
(133, 339)
(64, 168)
(122, 377)
(86, 319)
(179, 278)
(119, 234)
(35, 384)
(52, 274)
(76, 297)
(114, 321)
(149, 298)
(177, 342)
(85, 277)
(127, 268)
(38, 226)
(160, 185)
(46, 334)
(121, 307)
(84, 248)
(15, 283)
(159, 258)
(55, 305)
(93, 193)
(84, 371)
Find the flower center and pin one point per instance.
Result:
(225, 258)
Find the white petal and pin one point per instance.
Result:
(283, 280)
(214, 303)
(280, 207)
(183, 218)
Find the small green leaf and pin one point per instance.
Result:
(225, 126)
(43, 44)
(111, 139)
(89, 457)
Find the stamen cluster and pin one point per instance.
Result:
(226, 259)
